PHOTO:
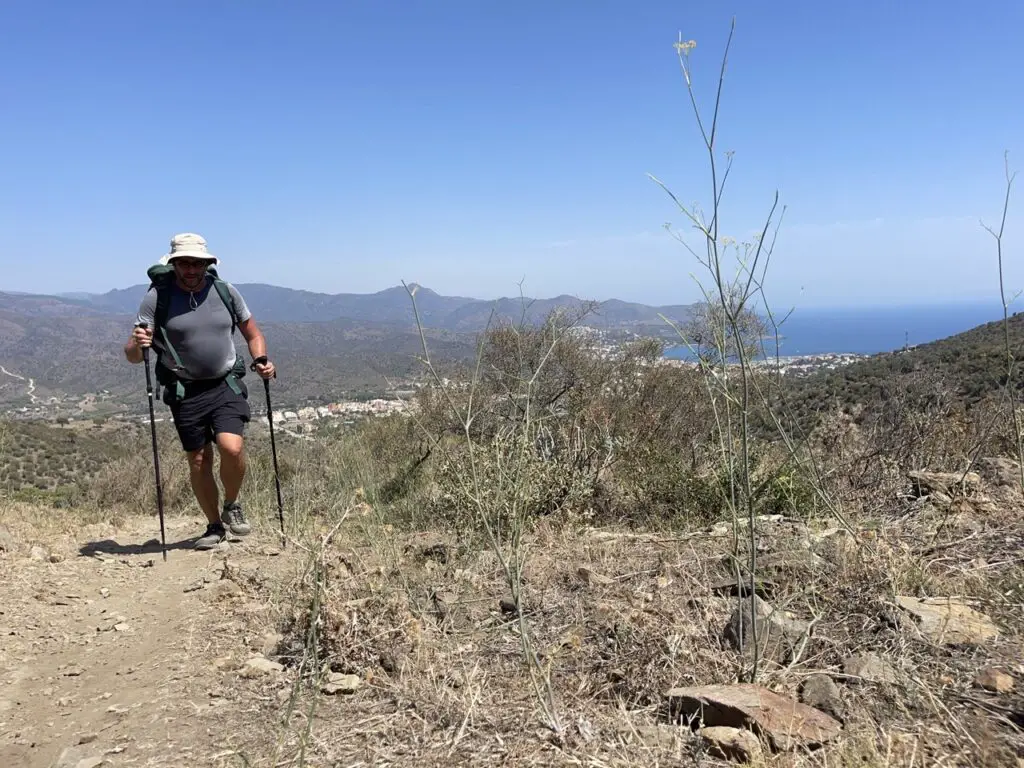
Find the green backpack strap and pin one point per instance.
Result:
(160, 276)
(238, 369)
(229, 301)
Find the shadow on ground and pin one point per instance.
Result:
(111, 547)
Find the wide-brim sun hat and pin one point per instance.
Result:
(188, 245)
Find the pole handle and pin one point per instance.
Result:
(259, 361)
(145, 350)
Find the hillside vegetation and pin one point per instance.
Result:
(961, 372)
(61, 459)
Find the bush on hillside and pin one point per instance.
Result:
(552, 422)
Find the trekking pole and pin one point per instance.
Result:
(273, 448)
(156, 455)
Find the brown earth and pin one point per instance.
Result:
(112, 656)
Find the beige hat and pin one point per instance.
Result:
(189, 245)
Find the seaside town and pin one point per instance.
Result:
(103, 406)
(308, 418)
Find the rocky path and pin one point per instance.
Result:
(111, 656)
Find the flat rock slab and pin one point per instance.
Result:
(785, 723)
(948, 483)
(948, 620)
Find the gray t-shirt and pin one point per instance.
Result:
(199, 327)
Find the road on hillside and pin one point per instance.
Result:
(31, 383)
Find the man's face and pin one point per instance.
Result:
(190, 272)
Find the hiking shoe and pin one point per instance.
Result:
(234, 519)
(214, 535)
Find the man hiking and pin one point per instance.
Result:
(189, 315)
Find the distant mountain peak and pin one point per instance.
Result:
(418, 289)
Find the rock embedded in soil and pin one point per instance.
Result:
(948, 483)
(821, 692)
(778, 635)
(869, 668)
(339, 683)
(785, 723)
(994, 680)
(261, 666)
(732, 743)
(948, 620)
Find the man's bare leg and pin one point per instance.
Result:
(232, 464)
(204, 485)
(232, 473)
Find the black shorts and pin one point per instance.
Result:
(207, 410)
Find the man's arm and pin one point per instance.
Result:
(253, 337)
(132, 348)
(251, 333)
(257, 346)
(141, 338)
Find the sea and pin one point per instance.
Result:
(872, 330)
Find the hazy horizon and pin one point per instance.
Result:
(991, 303)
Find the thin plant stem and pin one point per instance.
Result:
(1010, 363)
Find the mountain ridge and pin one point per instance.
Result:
(323, 343)
(390, 306)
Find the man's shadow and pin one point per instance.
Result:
(111, 547)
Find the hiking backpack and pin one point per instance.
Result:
(160, 277)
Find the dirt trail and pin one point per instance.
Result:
(31, 384)
(111, 656)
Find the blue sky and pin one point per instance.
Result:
(469, 146)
